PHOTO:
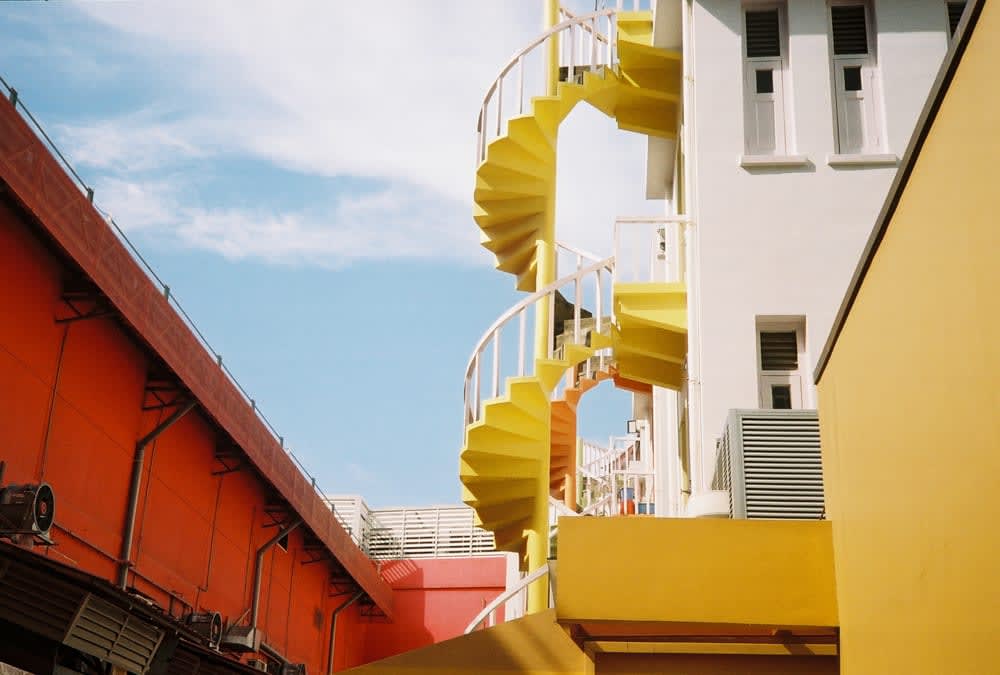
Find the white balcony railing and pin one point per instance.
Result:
(651, 248)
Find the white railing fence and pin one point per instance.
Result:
(582, 44)
(650, 248)
(487, 617)
(429, 532)
(577, 304)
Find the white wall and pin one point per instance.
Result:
(785, 241)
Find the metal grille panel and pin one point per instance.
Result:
(770, 462)
(763, 36)
(111, 634)
(850, 29)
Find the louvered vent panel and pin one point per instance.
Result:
(782, 471)
(770, 462)
(779, 350)
(955, 10)
(763, 34)
(109, 633)
(32, 598)
(850, 30)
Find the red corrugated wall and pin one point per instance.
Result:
(71, 399)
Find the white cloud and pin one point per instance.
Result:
(388, 92)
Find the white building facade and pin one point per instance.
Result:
(796, 113)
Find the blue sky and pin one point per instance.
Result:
(301, 175)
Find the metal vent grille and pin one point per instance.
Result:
(850, 29)
(763, 35)
(31, 598)
(109, 633)
(779, 350)
(955, 10)
(770, 462)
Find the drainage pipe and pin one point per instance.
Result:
(258, 573)
(133, 489)
(333, 627)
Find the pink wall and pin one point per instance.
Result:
(433, 600)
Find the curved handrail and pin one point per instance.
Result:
(585, 24)
(579, 252)
(505, 596)
(602, 272)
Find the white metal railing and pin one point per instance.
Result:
(488, 613)
(429, 532)
(590, 286)
(616, 479)
(650, 248)
(581, 42)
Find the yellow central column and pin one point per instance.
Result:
(538, 535)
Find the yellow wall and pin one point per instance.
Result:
(737, 572)
(910, 406)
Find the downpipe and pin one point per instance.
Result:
(333, 627)
(133, 490)
(258, 573)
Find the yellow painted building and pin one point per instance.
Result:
(909, 394)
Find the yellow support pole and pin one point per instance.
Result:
(545, 256)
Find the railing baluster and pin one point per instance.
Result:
(550, 342)
(520, 85)
(478, 394)
(499, 105)
(496, 365)
(577, 309)
(520, 345)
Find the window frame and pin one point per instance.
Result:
(873, 134)
(781, 80)
(800, 398)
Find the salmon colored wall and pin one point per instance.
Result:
(433, 600)
(197, 533)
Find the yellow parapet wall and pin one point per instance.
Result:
(712, 573)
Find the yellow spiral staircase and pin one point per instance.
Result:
(525, 432)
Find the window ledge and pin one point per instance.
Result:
(765, 161)
(863, 160)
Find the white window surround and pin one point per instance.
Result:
(857, 94)
(874, 159)
(766, 87)
(773, 161)
(800, 396)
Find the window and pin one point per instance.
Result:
(855, 79)
(764, 80)
(780, 353)
(955, 10)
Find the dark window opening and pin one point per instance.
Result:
(955, 10)
(850, 29)
(763, 36)
(852, 78)
(779, 350)
(765, 81)
(781, 396)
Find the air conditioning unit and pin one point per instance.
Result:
(208, 625)
(769, 461)
(240, 639)
(257, 664)
(293, 669)
(27, 509)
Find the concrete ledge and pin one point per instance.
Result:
(773, 161)
(863, 160)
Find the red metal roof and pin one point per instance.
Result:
(40, 184)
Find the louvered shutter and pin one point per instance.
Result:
(850, 30)
(764, 110)
(772, 464)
